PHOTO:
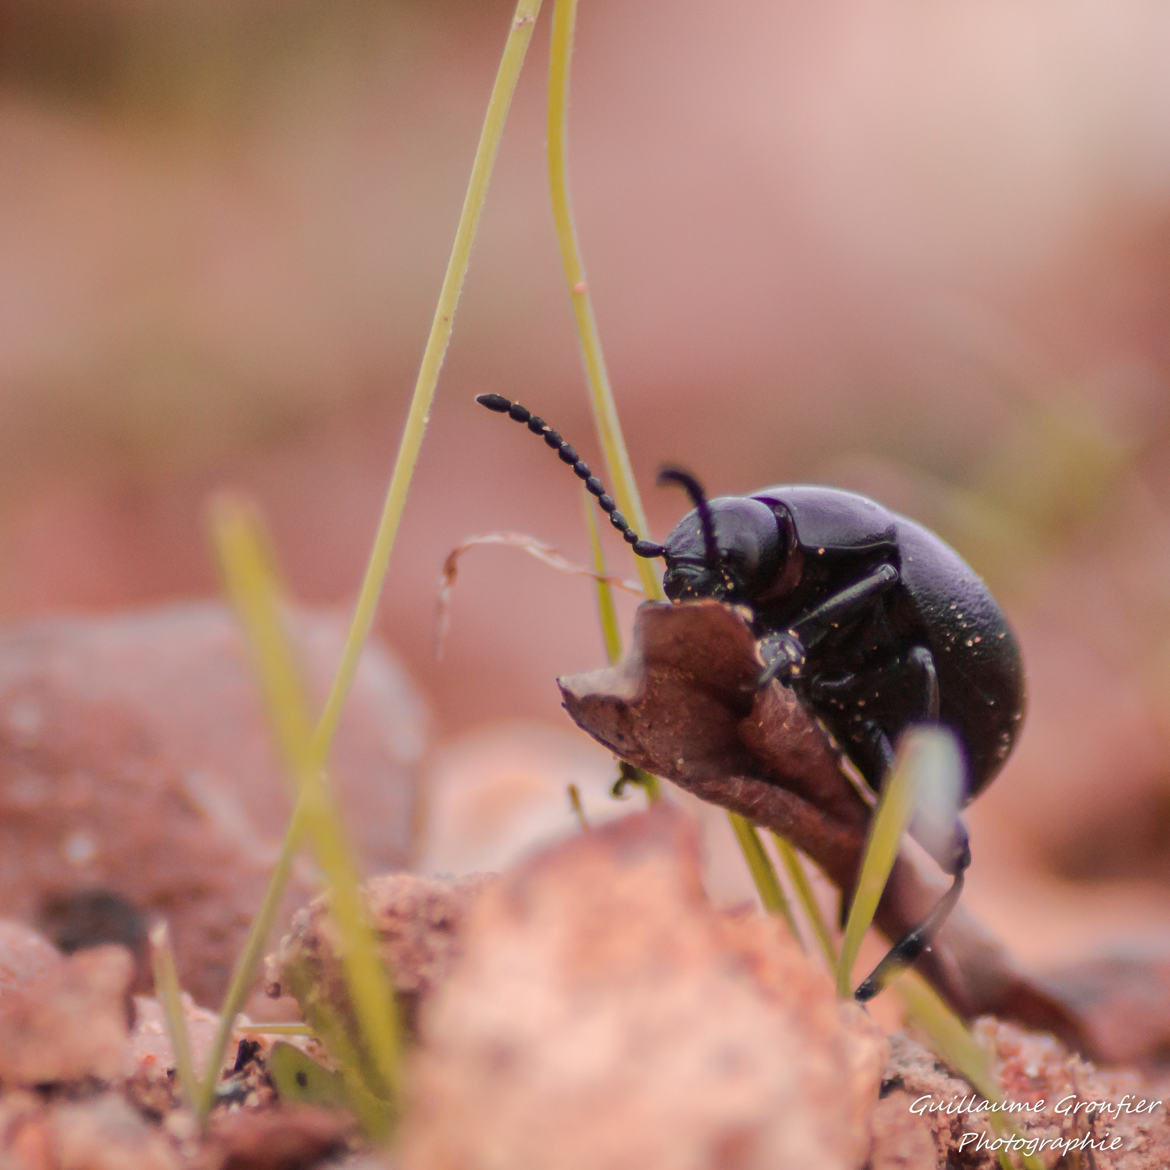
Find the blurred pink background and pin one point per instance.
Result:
(918, 249)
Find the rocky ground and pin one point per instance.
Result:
(586, 1007)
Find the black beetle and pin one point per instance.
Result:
(873, 620)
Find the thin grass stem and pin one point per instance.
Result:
(251, 584)
(763, 872)
(601, 393)
(499, 102)
(889, 822)
(793, 866)
(166, 986)
(952, 1040)
(442, 323)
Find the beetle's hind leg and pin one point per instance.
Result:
(956, 857)
(914, 943)
(910, 947)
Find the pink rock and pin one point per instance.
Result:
(71, 1023)
(25, 956)
(108, 1131)
(149, 1048)
(135, 758)
(601, 1013)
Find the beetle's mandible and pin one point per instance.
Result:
(873, 620)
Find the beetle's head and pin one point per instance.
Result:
(730, 549)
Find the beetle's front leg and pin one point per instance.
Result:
(784, 657)
(784, 652)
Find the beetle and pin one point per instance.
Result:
(874, 622)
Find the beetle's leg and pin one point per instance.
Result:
(784, 656)
(843, 606)
(873, 753)
(955, 855)
(880, 756)
(915, 670)
(908, 949)
(921, 660)
(869, 748)
(863, 703)
(792, 645)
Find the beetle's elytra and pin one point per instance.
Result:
(873, 620)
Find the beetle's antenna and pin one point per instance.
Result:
(694, 489)
(537, 425)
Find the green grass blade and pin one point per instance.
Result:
(791, 861)
(300, 1080)
(515, 50)
(578, 807)
(951, 1040)
(926, 757)
(609, 628)
(251, 585)
(166, 987)
(606, 609)
(617, 458)
(270, 1029)
(763, 872)
(351, 1056)
(442, 323)
(250, 955)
